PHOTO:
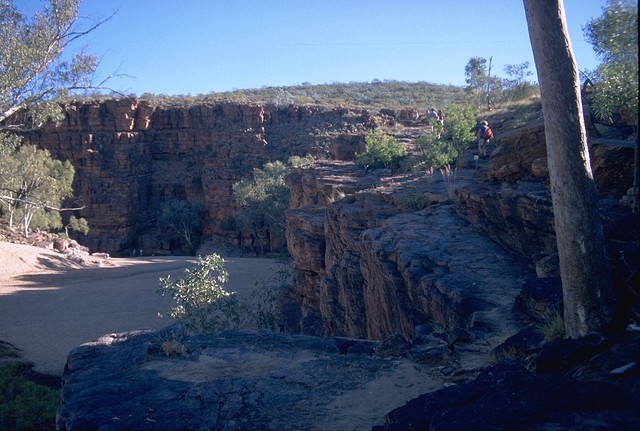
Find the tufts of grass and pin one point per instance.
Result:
(414, 201)
(551, 326)
(173, 347)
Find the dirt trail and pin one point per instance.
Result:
(49, 305)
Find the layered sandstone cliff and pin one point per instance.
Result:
(396, 253)
(433, 264)
(129, 156)
(374, 253)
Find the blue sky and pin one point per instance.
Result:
(202, 46)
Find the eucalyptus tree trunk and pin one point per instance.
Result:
(584, 269)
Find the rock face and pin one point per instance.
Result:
(235, 380)
(376, 254)
(373, 264)
(434, 270)
(129, 156)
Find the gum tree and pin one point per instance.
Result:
(34, 71)
(263, 201)
(182, 217)
(34, 75)
(614, 37)
(584, 269)
(33, 181)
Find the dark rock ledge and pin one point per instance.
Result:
(240, 380)
(587, 384)
(260, 380)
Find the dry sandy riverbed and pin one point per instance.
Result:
(49, 304)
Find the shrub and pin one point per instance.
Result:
(449, 178)
(173, 347)
(202, 303)
(25, 405)
(260, 310)
(459, 123)
(435, 152)
(446, 142)
(381, 151)
(551, 326)
(415, 201)
(301, 162)
(263, 202)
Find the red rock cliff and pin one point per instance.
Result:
(129, 156)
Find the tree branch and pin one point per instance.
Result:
(39, 204)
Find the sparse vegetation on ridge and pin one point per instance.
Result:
(373, 95)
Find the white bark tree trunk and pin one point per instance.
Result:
(584, 269)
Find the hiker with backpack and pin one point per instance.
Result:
(485, 134)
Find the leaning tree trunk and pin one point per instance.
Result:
(584, 269)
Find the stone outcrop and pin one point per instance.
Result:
(521, 153)
(129, 156)
(397, 252)
(436, 271)
(237, 380)
(588, 384)
(373, 264)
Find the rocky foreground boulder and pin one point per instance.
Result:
(241, 380)
(587, 384)
(260, 380)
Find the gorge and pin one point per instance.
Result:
(445, 268)
(374, 253)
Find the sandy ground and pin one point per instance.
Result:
(50, 305)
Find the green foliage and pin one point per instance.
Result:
(260, 311)
(515, 86)
(263, 202)
(381, 151)
(172, 346)
(46, 220)
(181, 216)
(202, 303)
(34, 71)
(34, 76)
(415, 201)
(485, 88)
(614, 37)
(449, 178)
(435, 152)
(445, 144)
(33, 181)
(301, 162)
(475, 73)
(460, 120)
(8, 145)
(25, 405)
(481, 86)
(229, 224)
(78, 225)
(369, 95)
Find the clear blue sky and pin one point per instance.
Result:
(201, 46)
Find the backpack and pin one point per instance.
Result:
(488, 133)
